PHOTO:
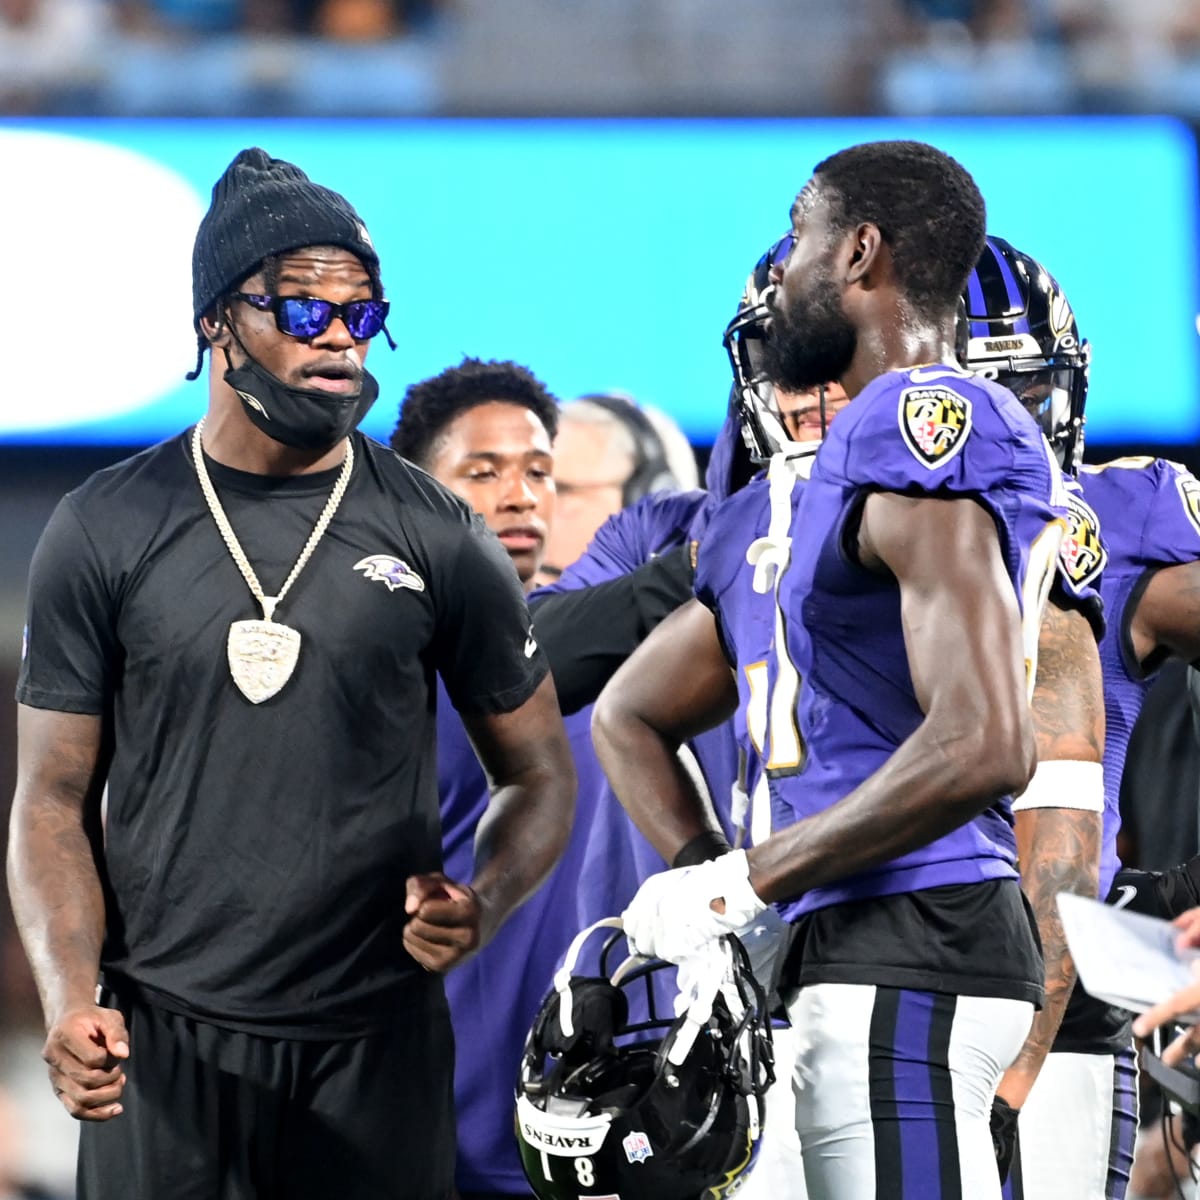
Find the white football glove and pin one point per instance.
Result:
(703, 974)
(671, 916)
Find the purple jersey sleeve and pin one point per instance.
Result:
(1171, 531)
(1149, 510)
(931, 431)
(625, 542)
(630, 538)
(1149, 514)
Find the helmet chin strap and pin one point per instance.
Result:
(562, 977)
(824, 419)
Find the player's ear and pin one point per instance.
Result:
(866, 248)
(214, 325)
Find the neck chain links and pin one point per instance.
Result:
(263, 654)
(268, 603)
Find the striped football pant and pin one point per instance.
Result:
(894, 1090)
(1078, 1127)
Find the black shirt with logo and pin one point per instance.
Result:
(255, 856)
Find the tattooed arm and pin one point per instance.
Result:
(56, 897)
(1058, 848)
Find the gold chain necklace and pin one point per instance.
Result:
(263, 654)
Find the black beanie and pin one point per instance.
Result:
(263, 206)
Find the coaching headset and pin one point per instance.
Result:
(651, 471)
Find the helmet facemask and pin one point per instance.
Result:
(763, 427)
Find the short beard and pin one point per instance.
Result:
(812, 343)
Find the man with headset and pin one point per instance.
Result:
(621, 542)
(609, 453)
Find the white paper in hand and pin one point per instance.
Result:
(1125, 958)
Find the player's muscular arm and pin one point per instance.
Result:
(59, 906)
(675, 685)
(962, 635)
(1167, 616)
(1058, 848)
(519, 839)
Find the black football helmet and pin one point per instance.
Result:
(660, 1108)
(1022, 332)
(753, 394)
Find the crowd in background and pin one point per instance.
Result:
(379, 57)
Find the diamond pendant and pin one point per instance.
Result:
(262, 657)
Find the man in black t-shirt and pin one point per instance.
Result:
(238, 631)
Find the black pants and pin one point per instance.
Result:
(214, 1114)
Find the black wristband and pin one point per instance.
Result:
(1179, 888)
(1138, 891)
(702, 848)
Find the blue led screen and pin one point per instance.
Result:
(602, 254)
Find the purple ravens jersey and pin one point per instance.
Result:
(928, 431)
(745, 618)
(1149, 514)
(733, 581)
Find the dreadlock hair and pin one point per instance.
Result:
(928, 208)
(270, 273)
(429, 406)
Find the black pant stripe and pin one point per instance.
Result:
(881, 1082)
(941, 1089)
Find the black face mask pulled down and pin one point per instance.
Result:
(303, 418)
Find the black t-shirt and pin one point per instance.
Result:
(256, 855)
